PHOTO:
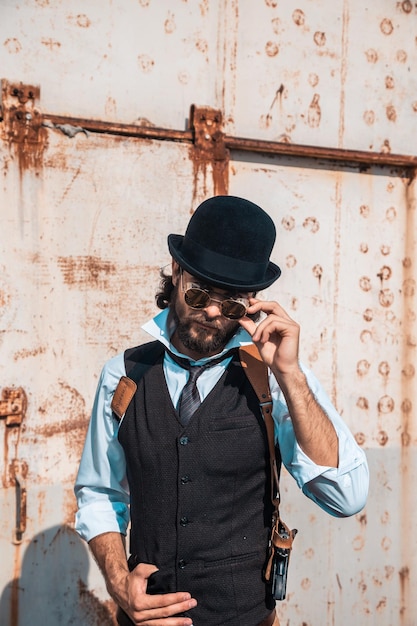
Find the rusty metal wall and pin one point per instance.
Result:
(84, 218)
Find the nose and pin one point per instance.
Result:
(213, 309)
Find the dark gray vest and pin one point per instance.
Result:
(200, 496)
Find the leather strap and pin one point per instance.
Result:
(257, 374)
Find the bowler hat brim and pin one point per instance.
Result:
(220, 270)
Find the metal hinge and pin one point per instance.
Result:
(13, 404)
(22, 122)
(209, 145)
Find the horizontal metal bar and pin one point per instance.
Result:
(126, 130)
(359, 157)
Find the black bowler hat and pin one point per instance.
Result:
(227, 243)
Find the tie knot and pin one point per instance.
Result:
(196, 370)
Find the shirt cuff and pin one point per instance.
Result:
(101, 517)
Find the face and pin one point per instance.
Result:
(205, 331)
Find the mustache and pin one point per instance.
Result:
(203, 319)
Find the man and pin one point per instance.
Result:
(195, 485)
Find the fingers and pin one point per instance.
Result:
(162, 609)
(159, 609)
(277, 321)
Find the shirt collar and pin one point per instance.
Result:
(158, 329)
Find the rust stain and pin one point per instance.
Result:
(389, 82)
(12, 45)
(67, 402)
(298, 17)
(386, 26)
(362, 403)
(146, 63)
(406, 6)
(70, 507)
(371, 55)
(81, 20)
(312, 224)
(86, 271)
(368, 315)
(276, 25)
(386, 147)
(386, 404)
(290, 261)
(408, 371)
(314, 112)
(24, 354)
(369, 117)
(386, 297)
(360, 438)
(98, 613)
(362, 367)
(391, 113)
(204, 7)
(318, 272)
(384, 368)
(365, 283)
(288, 222)
(319, 38)
(202, 46)
(169, 24)
(384, 273)
(401, 56)
(52, 44)
(382, 438)
(271, 48)
(313, 79)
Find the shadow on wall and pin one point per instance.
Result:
(52, 588)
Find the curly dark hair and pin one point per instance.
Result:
(163, 297)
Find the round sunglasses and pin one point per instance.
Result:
(198, 298)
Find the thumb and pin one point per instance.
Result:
(144, 570)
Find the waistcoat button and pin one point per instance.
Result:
(182, 564)
(184, 521)
(183, 441)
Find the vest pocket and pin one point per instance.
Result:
(233, 560)
(232, 423)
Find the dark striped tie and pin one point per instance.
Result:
(190, 398)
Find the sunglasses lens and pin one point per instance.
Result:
(233, 309)
(196, 298)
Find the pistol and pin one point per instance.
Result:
(279, 572)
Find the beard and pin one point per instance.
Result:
(205, 340)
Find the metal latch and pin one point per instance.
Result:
(13, 404)
(18, 471)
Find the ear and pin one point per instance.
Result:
(175, 272)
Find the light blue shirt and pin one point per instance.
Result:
(102, 490)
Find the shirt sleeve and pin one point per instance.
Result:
(340, 491)
(101, 488)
